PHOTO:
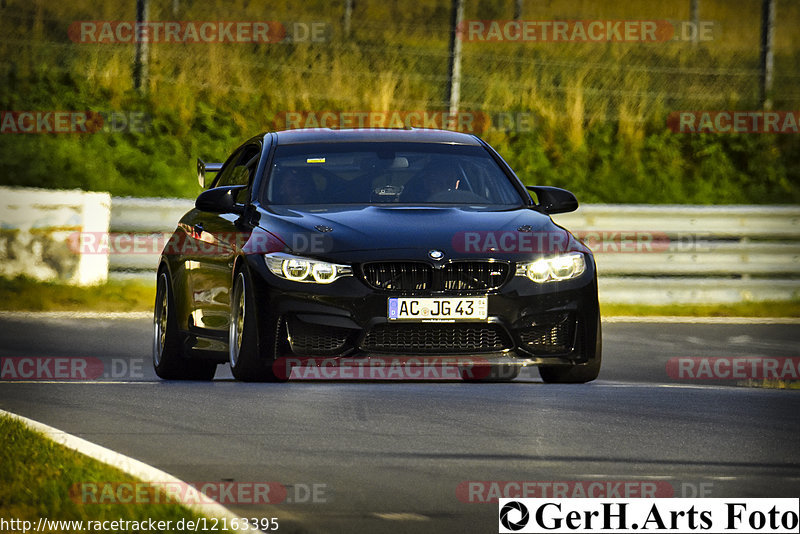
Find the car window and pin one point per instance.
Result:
(223, 176)
(239, 170)
(377, 173)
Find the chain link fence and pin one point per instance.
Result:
(395, 57)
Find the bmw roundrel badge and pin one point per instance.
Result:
(436, 254)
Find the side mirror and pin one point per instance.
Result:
(203, 168)
(220, 200)
(553, 199)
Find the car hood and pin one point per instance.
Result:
(457, 231)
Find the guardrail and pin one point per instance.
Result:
(645, 254)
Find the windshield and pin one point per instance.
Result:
(379, 173)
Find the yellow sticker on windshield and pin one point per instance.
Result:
(315, 160)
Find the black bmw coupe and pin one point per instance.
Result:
(361, 245)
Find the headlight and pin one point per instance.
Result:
(300, 269)
(553, 269)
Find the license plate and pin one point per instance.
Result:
(432, 309)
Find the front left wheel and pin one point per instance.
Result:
(168, 353)
(581, 373)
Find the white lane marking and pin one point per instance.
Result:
(699, 320)
(731, 386)
(126, 464)
(623, 477)
(80, 382)
(401, 516)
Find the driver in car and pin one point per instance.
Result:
(430, 183)
(295, 186)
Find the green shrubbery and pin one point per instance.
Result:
(600, 109)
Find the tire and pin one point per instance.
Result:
(169, 360)
(251, 351)
(576, 374)
(495, 373)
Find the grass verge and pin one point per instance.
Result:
(37, 477)
(766, 383)
(741, 309)
(22, 294)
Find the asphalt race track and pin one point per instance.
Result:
(381, 456)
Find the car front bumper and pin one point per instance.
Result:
(527, 323)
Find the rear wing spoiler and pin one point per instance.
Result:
(203, 168)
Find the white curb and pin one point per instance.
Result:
(132, 467)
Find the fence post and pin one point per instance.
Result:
(140, 71)
(767, 34)
(348, 15)
(454, 73)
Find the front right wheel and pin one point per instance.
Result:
(251, 351)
